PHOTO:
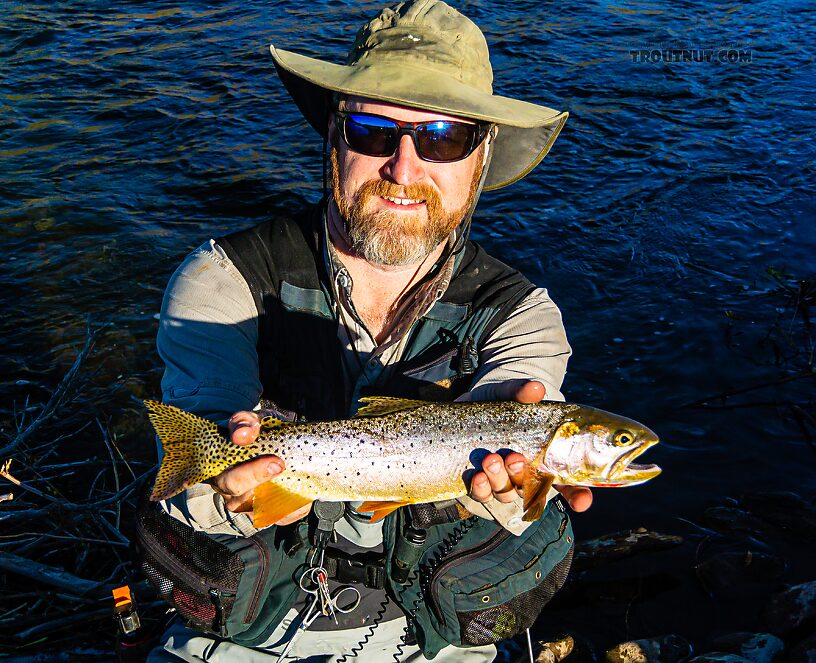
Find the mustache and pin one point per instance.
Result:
(418, 191)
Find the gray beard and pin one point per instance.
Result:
(383, 246)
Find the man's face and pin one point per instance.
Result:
(399, 208)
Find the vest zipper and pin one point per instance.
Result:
(260, 581)
(469, 553)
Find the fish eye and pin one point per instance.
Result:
(623, 438)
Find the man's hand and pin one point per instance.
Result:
(502, 477)
(237, 484)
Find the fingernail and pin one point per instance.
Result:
(494, 468)
(515, 468)
(274, 468)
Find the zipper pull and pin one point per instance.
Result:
(220, 619)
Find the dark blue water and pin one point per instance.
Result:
(130, 133)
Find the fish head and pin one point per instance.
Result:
(596, 448)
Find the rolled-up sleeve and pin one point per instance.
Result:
(529, 344)
(208, 329)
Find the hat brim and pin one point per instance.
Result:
(526, 131)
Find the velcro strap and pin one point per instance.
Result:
(366, 570)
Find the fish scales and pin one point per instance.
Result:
(401, 451)
(423, 453)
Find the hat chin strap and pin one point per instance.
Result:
(462, 237)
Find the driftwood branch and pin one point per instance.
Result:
(49, 575)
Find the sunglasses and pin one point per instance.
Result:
(438, 141)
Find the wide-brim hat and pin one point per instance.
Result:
(424, 54)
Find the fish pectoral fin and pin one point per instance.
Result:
(273, 502)
(378, 406)
(537, 485)
(380, 510)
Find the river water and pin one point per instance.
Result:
(678, 199)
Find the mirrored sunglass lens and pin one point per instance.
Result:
(370, 135)
(445, 141)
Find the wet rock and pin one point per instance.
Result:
(756, 647)
(718, 657)
(622, 591)
(791, 608)
(786, 510)
(615, 546)
(804, 651)
(555, 651)
(733, 520)
(662, 649)
(734, 574)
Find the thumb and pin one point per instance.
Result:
(244, 427)
(243, 478)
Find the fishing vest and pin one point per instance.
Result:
(475, 583)
(299, 353)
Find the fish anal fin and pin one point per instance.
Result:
(380, 510)
(378, 406)
(272, 502)
(537, 485)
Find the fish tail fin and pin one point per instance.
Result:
(184, 436)
(537, 485)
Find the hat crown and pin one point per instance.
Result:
(427, 34)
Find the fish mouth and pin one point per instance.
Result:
(623, 471)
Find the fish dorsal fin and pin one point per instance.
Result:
(378, 406)
(273, 423)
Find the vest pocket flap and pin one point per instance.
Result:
(304, 299)
(496, 588)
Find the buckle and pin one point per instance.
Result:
(367, 571)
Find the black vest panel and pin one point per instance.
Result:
(299, 353)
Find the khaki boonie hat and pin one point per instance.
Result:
(426, 55)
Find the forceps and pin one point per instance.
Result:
(313, 581)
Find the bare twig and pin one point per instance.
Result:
(773, 383)
(56, 400)
(50, 575)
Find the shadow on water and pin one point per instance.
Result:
(672, 223)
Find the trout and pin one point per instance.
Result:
(396, 451)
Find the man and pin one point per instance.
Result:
(375, 291)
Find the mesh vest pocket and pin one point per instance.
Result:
(197, 575)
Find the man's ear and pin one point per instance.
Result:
(331, 131)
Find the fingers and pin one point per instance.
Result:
(244, 427)
(523, 391)
(500, 478)
(238, 483)
(578, 497)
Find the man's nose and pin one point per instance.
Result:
(405, 166)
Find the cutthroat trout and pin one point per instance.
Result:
(397, 451)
